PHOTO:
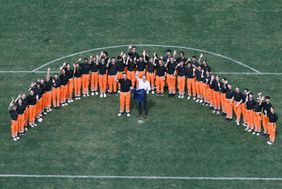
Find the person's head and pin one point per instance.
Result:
(124, 76)
(20, 101)
(171, 59)
(102, 59)
(181, 63)
(272, 110)
(199, 68)
(56, 76)
(144, 77)
(14, 107)
(161, 62)
(267, 99)
(63, 71)
(205, 62)
(113, 60)
(105, 54)
(189, 65)
(41, 81)
(119, 58)
(168, 52)
(133, 49)
(141, 58)
(251, 95)
(181, 54)
(217, 78)
(246, 91)
(194, 58)
(85, 60)
(31, 92)
(237, 89)
(38, 84)
(229, 86)
(207, 73)
(23, 96)
(68, 66)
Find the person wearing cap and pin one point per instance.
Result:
(124, 96)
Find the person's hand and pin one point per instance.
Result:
(201, 55)
(48, 69)
(130, 46)
(79, 59)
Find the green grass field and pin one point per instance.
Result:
(180, 138)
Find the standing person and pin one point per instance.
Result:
(160, 78)
(143, 87)
(120, 67)
(272, 119)
(229, 102)
(216, 94)
(171, 76)
(199, 74)
(238, 99)
(223, 89)
(56, 91)
(190, 75)
(132, 53)
(181, 71)
(151, 72)
(85, 69)
(103, 71)
(64, 87)
(21, 120)
(181, 57)
(14, 120)
(244, 108)
(141, 65)
(77, 81)
(112, 76)
(266, 105)
(32, 98)
(124, 99)
(131, 65)
(250, 103)
(94, 76)
(69, 74)
(257, 115)
(48, 91)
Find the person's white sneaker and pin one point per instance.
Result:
(258, 133)
(182, 96)
(84, 95)
(213, 111)
(25, 129)
(178, 96)
(128, 114)
(254, 133)
(197, 100)
(218, 112)
(153, 92)
(15, 139)
(250, 130)
(96, 93)
(105, 95)
(194, 98)
(87, 94)
(238, 123)
(118, 91)
(47, 111)
(188, 98)
(66, 104)
(34, 124)
(18, 138)
(119, 114)
(201, 101)
(101, 95)
(92, 93)
(269, 143)
(63, 105)
(244, 124)
(39, 120)
(247, 128)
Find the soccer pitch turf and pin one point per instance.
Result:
(180, 138)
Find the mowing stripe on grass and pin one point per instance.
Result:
(140, 177)
(149, 45)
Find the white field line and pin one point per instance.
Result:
(141, 177)
(220, 73)
(149, 45)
